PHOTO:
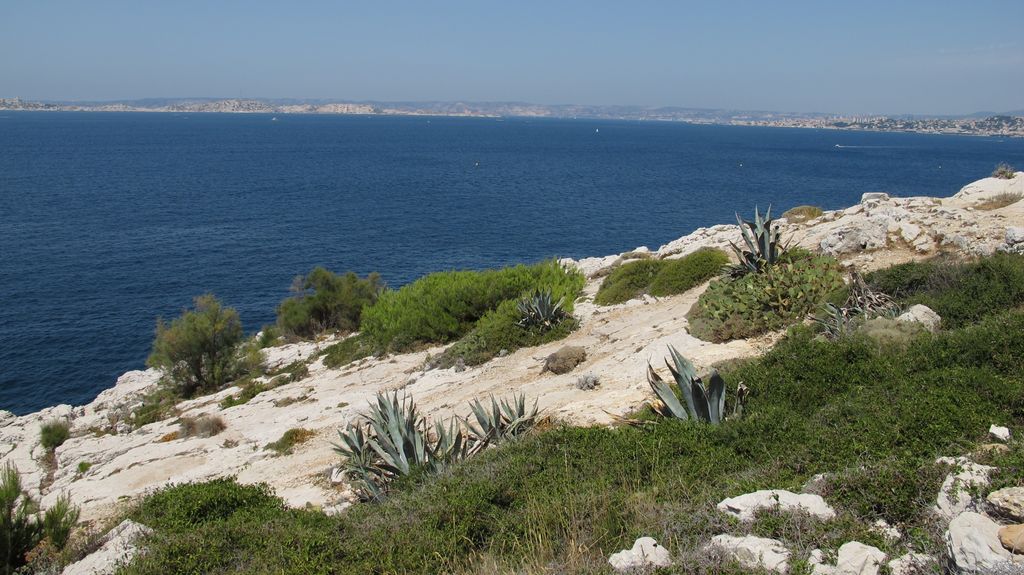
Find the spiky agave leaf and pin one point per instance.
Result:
(716, 397)
(540, 310)
(670, 405)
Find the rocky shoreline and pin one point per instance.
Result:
(107, 461)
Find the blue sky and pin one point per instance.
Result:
(934, 57)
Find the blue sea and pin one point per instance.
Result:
(109, 220)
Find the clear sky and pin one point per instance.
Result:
(926, 57)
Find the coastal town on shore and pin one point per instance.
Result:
(999, 125)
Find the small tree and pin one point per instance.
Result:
(325, 300)
(197, 350)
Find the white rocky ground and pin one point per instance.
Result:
(619, 340)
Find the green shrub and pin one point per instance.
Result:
(628, 281)
(346, 351)
(327, 301)
(683, 274)
(498, 330)
(753, 304)
(442, 307)
(54, 433)
(181, 508)
(197, 350)
(960, 292)
(801, 214)
(83, 467)
(660, 277)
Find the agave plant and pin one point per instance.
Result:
(540, 310)
(837, 321)
(701, 403)
(762, 242)
(503, 421)
(394, 440)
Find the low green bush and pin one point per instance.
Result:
(960, 292)
(181, 508)
(53, 434)
(628, 281)
(499, 330)
(348, 350)
(442, 307)
(289, 440)
(326, 301)
(660, 277)
(753, 304)
(683, 274)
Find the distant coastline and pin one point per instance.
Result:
(1010, 124)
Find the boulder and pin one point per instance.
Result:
(119, 547)
(1008, 503)
(874, 197)
(743, 507)
(954, 496)
(565, 359)
(645, 554)
(972, 543)
(1000, 433)
(753, 552)
(923, 315)
(854, 558)
(865, 234)
(1014, 235)
(1012, 538)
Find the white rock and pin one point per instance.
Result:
(753, 552)
(954, 496)
(118, 549)
(645, 553)
(866, 234)
(999, 432)
(972, 542)
(744, 506)
(1014, 235)
(909, 231)
(923, 315)
(1007, 502)
(874, 197)
(854, 558)
(911, 564)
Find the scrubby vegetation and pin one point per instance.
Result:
(960, 292)
(201, 426)
(326, 301)
(660, 277)
(1004, 171)
(290, 438)
(198, 350)
(873, 417)
(801, 214)
(442, 307)
(348, 350)
(53, 434)
(28, 536)
(755, 303)
(999, 201)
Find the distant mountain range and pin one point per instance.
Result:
(980, 123)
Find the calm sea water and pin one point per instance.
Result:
(110, 220)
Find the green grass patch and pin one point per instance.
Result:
(53, 434)
(660, 277)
